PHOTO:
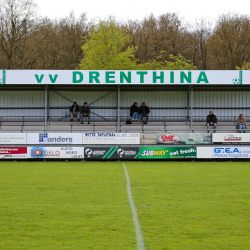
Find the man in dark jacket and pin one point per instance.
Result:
(144, 111)
(85, 110)
(211, 121)
(74, 111)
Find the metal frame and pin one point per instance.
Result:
(118, 107)
(118, 88)
(46, 107)
(191, 110)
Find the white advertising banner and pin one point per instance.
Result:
(13, 138)
(231, 152)
(54, 138)
(111, 138)
(56, 152)
(204, 152)
(207, 77)
(231, 138)
(13, 153)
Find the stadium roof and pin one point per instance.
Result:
(122, 77)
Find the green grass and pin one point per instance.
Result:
(84, 205)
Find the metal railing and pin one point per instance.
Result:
(111, 124)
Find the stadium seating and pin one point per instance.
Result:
(99, 124)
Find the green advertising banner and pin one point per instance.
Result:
(167, 152)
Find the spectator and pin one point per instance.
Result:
(74, 111)
(85, 110)
(241, 123)
(211, 121)
(144, 111)
(134, 111)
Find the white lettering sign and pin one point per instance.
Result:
(111, 138)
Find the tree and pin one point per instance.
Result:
(59, 42)
(17, 22)
(175, 63)
(153, 35)
(201, 34)
(246, 66)
(107, 48)
(230, 41)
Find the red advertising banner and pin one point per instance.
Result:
(13, 152)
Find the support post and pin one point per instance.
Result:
(45, 108)
(188, 101)
(192, 94)
(118, 106)
(48, 118)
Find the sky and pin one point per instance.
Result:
(189, 10)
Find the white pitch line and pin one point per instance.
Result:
(140, 241)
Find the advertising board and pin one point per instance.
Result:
(13, 153)
(56, 152)
(204, 152)
(54, 138)
(13, 138)
(184, 138)
(208, 77)
(231, 138)
(231, 152)
(167, 152)
(111, 138)
(111, 153)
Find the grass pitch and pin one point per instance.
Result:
(84, 205)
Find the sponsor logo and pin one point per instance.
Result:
(227, 150)
(231, 152)
(37, 152)
(169, 138)
(231, 138)
(44, 138)
(126, 152)
(52, 153)
(120, 152)
(100, 134)
(184, 138)
(238, 80)
(88, 152)
(91, 152)
(11, 150)
(112, 152)
(154, 152)
(170, 152)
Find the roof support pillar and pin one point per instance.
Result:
(191, 111)
(46, 107)
(118, 107)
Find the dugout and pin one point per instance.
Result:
(172, 96)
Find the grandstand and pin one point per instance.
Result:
(174, 107)
(38, 101)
